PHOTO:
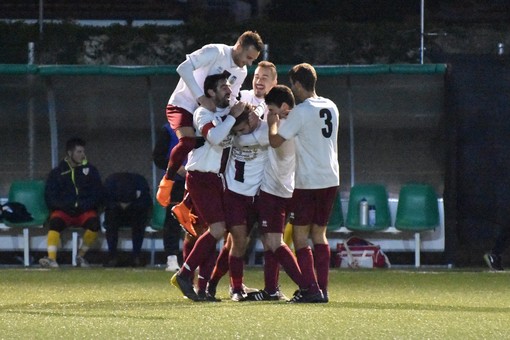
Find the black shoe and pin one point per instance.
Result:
(325, 296)
(211, 289)
(238, 296)
(111, 263)
(493, 261)
(206, 297)
(262, 295)
(186, 287)
(304, 296)
(136, 261)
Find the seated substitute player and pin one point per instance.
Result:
(73, 193)
(128, 203)
(204, 179)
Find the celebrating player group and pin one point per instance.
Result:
(252, 158)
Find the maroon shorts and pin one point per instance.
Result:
(207, 192)
(75, 221)
(272, 211)
(178, 117)
(313, 206)
(240, 210)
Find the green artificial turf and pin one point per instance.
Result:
(97, 303)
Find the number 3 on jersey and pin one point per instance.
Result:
(326, 115)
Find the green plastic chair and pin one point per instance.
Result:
(31, 194)
(376, 195)
(417, 211)
(417, 208)
(336, 220)
(156, 226)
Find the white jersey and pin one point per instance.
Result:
(215, 128)
(210, 59)
(247, 160)
(279, 171)
(314, 124)
(248, 96)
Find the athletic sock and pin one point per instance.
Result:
(89, 237)
(53, 241)
(203, 248)
(321, 262)
(178, 155)
(305, 260)
(289, 263)
(271, 271)
(236, 265)
(221, 266)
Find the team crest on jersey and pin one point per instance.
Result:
(85, 171)
(264, 224)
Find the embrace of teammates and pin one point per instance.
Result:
(252, 157)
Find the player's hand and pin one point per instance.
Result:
(253, 119)
(272, 119)
(237, 109)
(207, 103)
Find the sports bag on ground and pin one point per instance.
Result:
(356, 252)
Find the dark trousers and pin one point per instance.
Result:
(172, 229)
(131, 217)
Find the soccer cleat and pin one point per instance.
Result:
(245, 289)
(206, 297)
(304, 296)
(325, 296)
(46, 262)
(185, 218)
(493, 261)
(171, 264)
(185, 286)
(211, 289)
(262, 295)
(238, 296)
(81, 262)
(164, 191)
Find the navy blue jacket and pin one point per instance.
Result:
(74, 190)
(127, 187)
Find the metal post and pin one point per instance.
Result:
(422, 30)
(153, 131)
(351, 129)
(52, 118)
(31, 119)
(41, 13)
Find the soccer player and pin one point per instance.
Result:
(204, 178)
(275, 193)
(264, 79)
(243, 177)
(74, 194)
(189, 93)
(314, 121)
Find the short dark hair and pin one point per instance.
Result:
(211, 82)
(280, 94)
(72, 143)
(251, 38)
(244, 116)
(305, 74)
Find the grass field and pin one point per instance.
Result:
(98, 303)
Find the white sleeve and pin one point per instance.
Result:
(220, 130)
(198, 59)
